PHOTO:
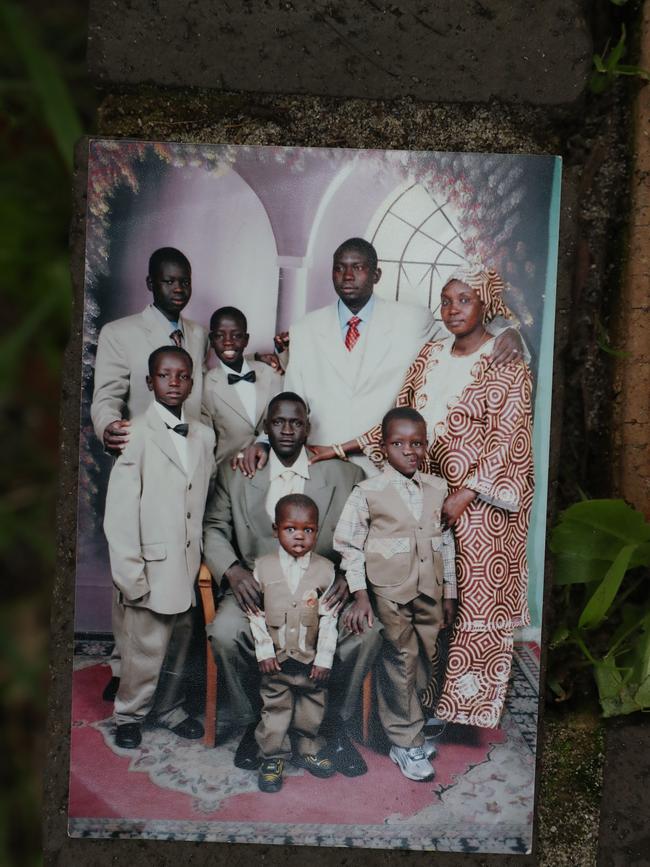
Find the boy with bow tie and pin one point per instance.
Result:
(153, 524)
(237, 391)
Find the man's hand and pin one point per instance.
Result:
(244, 587)
(270, 665)
(337, 595)
(281, 341)
(449, 611)
(359, 614)
(252, 459)
(507, 347)
(455, 504)
(271, 359)
(319, 674)
(116, 435)
(320, 453)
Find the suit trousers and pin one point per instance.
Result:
(234, 650)
(154, 651)
(410, 634)
(290, 701)
(117, 625)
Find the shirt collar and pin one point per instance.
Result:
(364, 314)
(169, 326)
(300, 467)
(168, 417)
(245, 368)
(286, 560)
(395, 476)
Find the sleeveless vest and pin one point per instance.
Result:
(293, 611)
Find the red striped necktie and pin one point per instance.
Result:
(352, 333)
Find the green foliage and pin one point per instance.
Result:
(602, 550)
(608, 66)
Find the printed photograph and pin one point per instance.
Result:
(313, 462)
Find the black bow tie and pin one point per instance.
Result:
(181, 429)
(247, 377)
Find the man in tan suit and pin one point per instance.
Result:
(237, 391)
(121, 392)
(238, 529)
(153, 524)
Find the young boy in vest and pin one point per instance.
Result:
(237, 391)
(295, 639)
(391, 540)
(153, 524)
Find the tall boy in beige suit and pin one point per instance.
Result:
(390, 540)
(153, 524)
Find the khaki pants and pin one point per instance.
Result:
(410, 634)
(154, 650)
(290, 701)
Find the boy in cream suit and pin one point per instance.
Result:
(237, 391)
(153, 523)
(295, 639)
(390, 538)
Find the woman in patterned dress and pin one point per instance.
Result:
(479, 422)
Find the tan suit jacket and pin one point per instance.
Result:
(154, 515)
(123, 350)
(223, 411)
(237, 526)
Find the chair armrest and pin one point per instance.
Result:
(205, 589)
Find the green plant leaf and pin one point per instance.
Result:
(597, 607)
(560, 635)
(614, 694)
(613, 517)
(575, 569)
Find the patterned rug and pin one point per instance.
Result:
(481, 799)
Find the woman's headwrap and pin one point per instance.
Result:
(489, 287)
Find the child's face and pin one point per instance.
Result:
(405, 445)
(171, 286)
(171, 380)
(354, 279)
(229, 340)
(296, 530)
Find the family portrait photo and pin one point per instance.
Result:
(313, 464)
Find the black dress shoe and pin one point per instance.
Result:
(345, 757)
(111, 688)
(191, 729)
(128, 736)
(247, 755)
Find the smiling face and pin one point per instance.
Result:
(287, 427)
(461, 309)
(354, 278)
(296, 529)
(171, 380)
(171, 286)
(229, 340)
(405, 445)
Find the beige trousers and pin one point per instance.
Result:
(410, 634)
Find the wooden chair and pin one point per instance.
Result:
(209, 611)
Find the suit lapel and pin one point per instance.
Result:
(378, 343)
(262, 389)
(321, 492)
(161, 437)
(194, 450)
(255, 491)
(227, 393)
(155, 329)
(330, 347)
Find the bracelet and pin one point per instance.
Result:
(338, 451)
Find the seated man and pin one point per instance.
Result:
(238, 529)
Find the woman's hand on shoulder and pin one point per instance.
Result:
(320, 453)
(508, 347)
(251, 459)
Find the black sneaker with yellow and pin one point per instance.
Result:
(269, 778)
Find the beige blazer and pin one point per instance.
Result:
(123, 350)
(154, 515)
(237, 526)
(223, 411)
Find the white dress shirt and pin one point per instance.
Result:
(246, 391)
(285, 480)
(170, 327)
(179, 442)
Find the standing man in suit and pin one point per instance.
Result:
(237, 391)
(121, 391)
(153, 523)
(238, 529)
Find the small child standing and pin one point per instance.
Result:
(390, 538)
(153, 524)
(237, 391)
(295, 639)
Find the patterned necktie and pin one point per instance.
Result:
(181, 429)
(233, 378)
(177, 337)
(352, 334)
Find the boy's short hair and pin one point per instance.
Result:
(228, 313)
(301, 501)
(167, 254)
(286, 395)
(169, 350)
(362, 246)
(400, 412)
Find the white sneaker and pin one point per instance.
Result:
(430, 748)
(412, 763)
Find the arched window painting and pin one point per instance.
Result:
(418, 237)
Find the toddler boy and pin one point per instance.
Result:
(295, 639)
(390, 539)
